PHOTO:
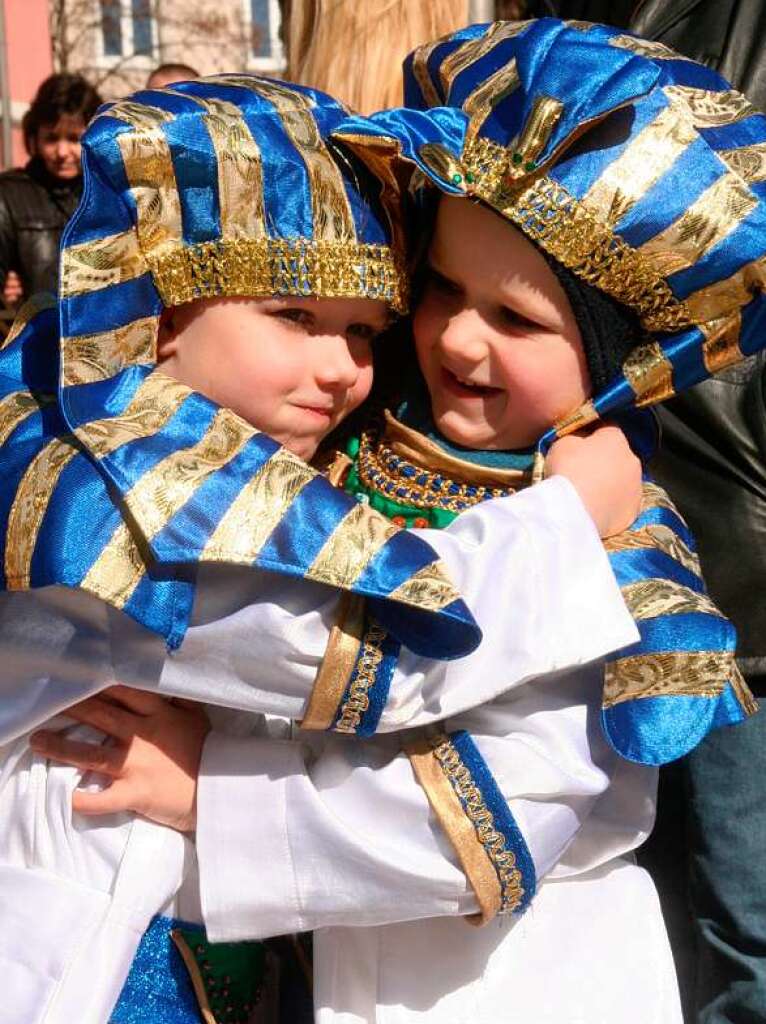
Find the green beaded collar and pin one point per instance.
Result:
(404, 475)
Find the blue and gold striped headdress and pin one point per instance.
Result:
(644, 174)
(640, 171)
(118, 479)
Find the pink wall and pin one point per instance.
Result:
(28, 55)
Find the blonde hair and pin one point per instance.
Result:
(354, 49)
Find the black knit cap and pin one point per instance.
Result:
(608, 329)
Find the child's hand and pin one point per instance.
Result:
(153, 762)
(605, 473)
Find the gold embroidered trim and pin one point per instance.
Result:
(158, 496)
(654, 496)
(358, 700)
(17, 407)
(458, 828)
(91, 266)
(474, 50)
(349, 549)
(36, 304)
(481, 102)
(676, 673)
(337, 665)
(88, 358)
(258, 509)
(422, 77)
(742, 690)
(240, 170)
(646, 48)
(711, 109)
(572, 234)
(149, 168)
(278, 266)
(475, 809)
(30, 503)
(647, 599)
(748, 161)
(429, 588)
(648, 156)
(578, 419)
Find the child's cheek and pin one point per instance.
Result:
(425, 329)
(362, 387)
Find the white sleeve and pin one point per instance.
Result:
(54, 651)
(531, 568)
(289, 840)
(76, 894)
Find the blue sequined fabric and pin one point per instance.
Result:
(158, 989)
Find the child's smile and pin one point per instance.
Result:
(496, 338)
(293, 367)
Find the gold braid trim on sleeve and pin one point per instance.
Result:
(337, 665)
(489, 866)
(358, 699)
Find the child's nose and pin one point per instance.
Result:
(462, 337)
(336, 367)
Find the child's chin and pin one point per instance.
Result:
(467, 435)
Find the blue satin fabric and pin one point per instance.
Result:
(158, 989)
(503, 819)
(657, 730)
(116, 307)
(83, 512)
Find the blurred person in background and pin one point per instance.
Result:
(355, 50)
(37, 200)
(711, 826)
(169, 74)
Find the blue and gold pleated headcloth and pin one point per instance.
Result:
(644, 174)
(120, 480)
(641, 171)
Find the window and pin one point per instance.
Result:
(141, 13)
(127, 29)
(111, 27)
(266, 46)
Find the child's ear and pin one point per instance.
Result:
(167, 336)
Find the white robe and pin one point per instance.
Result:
(356, 843)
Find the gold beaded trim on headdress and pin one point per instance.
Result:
(276, 266)
(546, 212)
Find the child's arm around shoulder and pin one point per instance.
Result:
(531, 568)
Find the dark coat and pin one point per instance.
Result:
(34, 208)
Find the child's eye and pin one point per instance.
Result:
(513, 318)
(441, 284)
(294, 315)
(363, 332)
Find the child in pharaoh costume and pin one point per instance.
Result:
(223, 277)
(597, 247)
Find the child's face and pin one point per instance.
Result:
(294, 368)
(495, 335)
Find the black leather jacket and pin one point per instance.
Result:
(713, 454)
(34, 207)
